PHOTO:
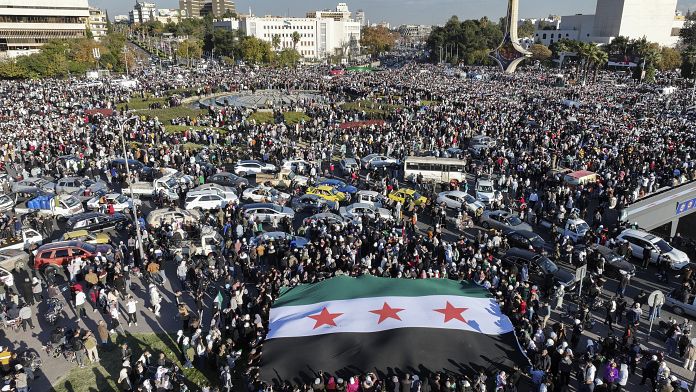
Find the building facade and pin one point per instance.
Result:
(221, 7)
(27, 25)
(319, 37)
(191, 7)
(142, 12)
(415, 32)
(97, 23)
(656, 20)
(340, 13)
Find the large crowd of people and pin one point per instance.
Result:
(635, 138)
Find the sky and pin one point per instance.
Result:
(396, 12)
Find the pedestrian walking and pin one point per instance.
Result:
(131, 310)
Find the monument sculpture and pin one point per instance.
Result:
(510, 53)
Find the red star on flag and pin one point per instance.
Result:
(452, 313)
(324, 318)
(387, 312)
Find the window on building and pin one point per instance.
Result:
(543, 36)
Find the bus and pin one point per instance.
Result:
(435, 169)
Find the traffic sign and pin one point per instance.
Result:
(656, 298)
(580, 272)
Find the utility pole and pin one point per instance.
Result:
(122, 127)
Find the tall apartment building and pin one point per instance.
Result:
(221, 7)
(197, 8)
(192, 7)
(142, 12)
(27, 25)
(97, 23)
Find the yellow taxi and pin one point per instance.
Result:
(86, 236)
(405, 195)
(327, 192)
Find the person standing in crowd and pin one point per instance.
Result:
(131, 310)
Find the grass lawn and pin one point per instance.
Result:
(137, 103)
(166, 115)
(372, 109)
(103, 377)
(172, 129)
(429, 103)
(262, 117)
(292, 118)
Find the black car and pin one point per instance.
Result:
(134, 166)
(614, 264)
(228, 179)
(538, 265)
(96, 221)
(525, 239)
(312, 204)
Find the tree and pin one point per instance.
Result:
(256, 51)
(688, 66)
(670, 59)
(540, 52)
(687, 34)
(190, 49)
(526, 29)
(11, 70)
(377, 39)
(275, 41)
(295, 39)
(288, 57)
(465, 39)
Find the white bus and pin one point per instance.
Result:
(435, 169)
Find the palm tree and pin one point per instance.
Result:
(275, 41)
(601, 58)
(295, 39)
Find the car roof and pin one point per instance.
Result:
(324, 187)
(259, 205)
(523, 233)
(84, 215)
(59, 244)
(360, 205)
(529, 255)
(455, 193)
(641, 234)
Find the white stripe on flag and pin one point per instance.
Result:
(481, 315)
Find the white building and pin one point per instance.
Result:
(97, 23)
(142, 12)
(320, 36)
(228, 24)
(27, 25)
(653, 19)
(166, 15)
(360, 17)
(121, 19)
(415, 32)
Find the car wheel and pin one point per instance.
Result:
(678, 311)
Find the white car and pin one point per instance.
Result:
(459, 199)
(374, 161)
(245, 168)
(33, 184)
(267, 212)
(208, 200)
(486, 193)
(297, 165)
(120, 202)
(640, 240)
(357, 210)
(265, 194)
(6, 203)
(227, 191)
(79, 184)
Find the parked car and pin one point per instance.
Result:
(96, 221)
(502, 220)
(121, 203)
(539, 265)
(329, 193)
(227, 191)
(51, 258)
(614, 264)
(340, 185)
(86, 236)
(82, 185)
(406, 195)
(209, 199)
(681, 302)
(33, 184)
(372, 198)
(247, 167)
(459, 199)
(265, 194)
(22, 240)
(376, 161)
(267, 212)
(312, 204)
(348, 165)
(486, 193)
(6, 277)
(277, 236)
(7, 203)
(13, 258)
(356, 210)
(144, 172)
(228, 179)
(333, 219)
(640, 240)
(167, 216)
(527, 239)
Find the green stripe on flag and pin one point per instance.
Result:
(344, 287)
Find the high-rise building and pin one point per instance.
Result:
(27, 25)
(635, 18)
(360, 17)
(142, 12)
(221, 7)
(192, 7)
(97, 23)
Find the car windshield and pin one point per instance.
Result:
(485, 188)
(514, 221)
(71, 201)
(469, 199)
(121, 199)
(664, 246)
(582, 227)
(547, 265)
(416, 195)
(87, 182)
(170, 183)
(4, 199)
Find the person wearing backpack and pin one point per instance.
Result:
(78, 348)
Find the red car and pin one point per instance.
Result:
(51, 258)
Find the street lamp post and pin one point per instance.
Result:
(122, 126)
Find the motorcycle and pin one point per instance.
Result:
(55, 308)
